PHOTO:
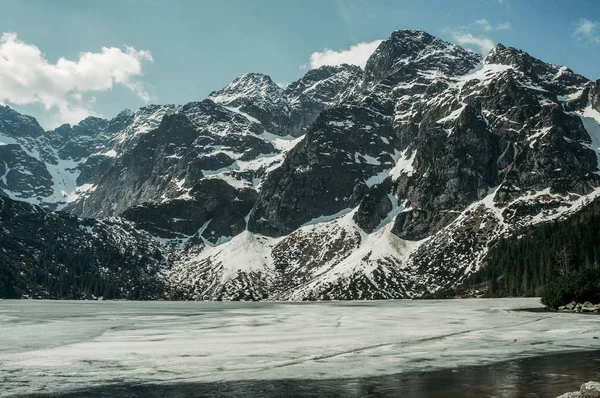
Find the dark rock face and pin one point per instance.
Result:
(417, 224)
(326, 172)
(596, 96)
(79, 141)
(93, 169)
(23, 174)
(23, 157)
(16, 125)
(375, 206)
(451, 172)
(217, 211)
(318, 90)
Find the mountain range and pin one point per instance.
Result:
(398, 180)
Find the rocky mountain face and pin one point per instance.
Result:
(58, 168)
(389, 182)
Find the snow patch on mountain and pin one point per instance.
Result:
(591, 121)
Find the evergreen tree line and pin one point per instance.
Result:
(49, 255)
(524, 264)
(67, 273)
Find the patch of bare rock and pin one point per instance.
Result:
(580, 307)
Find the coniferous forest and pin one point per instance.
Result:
(56, 255)
(523, 264)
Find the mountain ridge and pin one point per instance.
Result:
(389, 182)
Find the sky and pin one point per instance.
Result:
(63, 60)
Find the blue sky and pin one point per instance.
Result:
(179, 51)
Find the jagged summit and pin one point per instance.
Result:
(290, 110)
(504, 55)
(319, 75)
(416, 49)
(245, 88)
(532, 66)
(258, 97)
(124, 112)
(16, 124)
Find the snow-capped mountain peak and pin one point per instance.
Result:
(415, 50)
(390, 182)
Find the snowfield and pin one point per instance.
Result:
(51, 346)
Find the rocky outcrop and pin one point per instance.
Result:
(328, 171)
(23, 175)
(585, 307)
(255, 94)
(79, 141)
(375, 206)
(596, 96)
(17, 126)
(215, 212)
(319, 89)
(590, 389)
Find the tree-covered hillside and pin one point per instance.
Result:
(523, 264)
(57, 255)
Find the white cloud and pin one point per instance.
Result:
(356, 55)
(483, 24)
(503, 26)
(27, 78)
(463, 35)
(587, 30)
(485, 44)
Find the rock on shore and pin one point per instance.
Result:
(580, 307)
(590, 389)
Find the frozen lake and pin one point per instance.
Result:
(52, 346)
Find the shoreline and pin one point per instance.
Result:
(548, 375)
(548, 310)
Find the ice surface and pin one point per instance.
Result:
(51, 346)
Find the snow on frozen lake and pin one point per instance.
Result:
(54, 346)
